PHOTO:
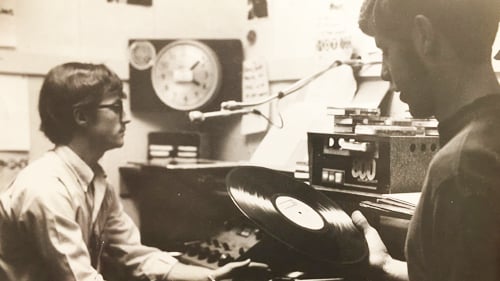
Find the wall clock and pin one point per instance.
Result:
(142, 54)
(187, 74)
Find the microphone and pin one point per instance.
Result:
(198, 116)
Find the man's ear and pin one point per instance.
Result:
(81, 117)
(424, 36)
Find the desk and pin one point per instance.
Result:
(178, 204)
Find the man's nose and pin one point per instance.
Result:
(125, 117)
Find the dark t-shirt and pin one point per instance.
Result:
(455, 231)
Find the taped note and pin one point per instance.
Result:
(255, 88)
(14, 113)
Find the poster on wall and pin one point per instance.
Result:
(14, 113)
(255, 88)
(334, 32)
(257, 9)
(133, 2)
(8, 24)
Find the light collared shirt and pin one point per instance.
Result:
(52, 228)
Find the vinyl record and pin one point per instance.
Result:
(296, 214)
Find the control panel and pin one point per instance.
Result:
(233, 241)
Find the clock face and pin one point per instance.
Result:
(186, 75)
(142, 54)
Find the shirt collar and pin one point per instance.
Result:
(449, 127)
(84, 173)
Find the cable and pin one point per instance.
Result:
(269, 121)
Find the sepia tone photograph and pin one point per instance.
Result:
(250, 140)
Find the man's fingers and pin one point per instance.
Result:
(360, 221)
(233, 267)
(237, 264)
(223, 271)
(258, 265)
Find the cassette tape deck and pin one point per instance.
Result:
(374, 163)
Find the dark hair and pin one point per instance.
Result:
(469, 25)
(67, 87)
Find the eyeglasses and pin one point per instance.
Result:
(116, 107)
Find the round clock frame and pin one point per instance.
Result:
(142, 54)
(186, 75)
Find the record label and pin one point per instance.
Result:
(299, 213)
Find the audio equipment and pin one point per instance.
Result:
(234, 239)
(256, 213)
(372, 163)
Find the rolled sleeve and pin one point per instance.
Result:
(124, 244)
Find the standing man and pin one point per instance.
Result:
(438, 55)
(60, 218)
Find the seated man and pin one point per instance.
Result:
(60, 217)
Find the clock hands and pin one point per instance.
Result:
(194, 65)
(192, 68)
(186, 76)
(192, 72)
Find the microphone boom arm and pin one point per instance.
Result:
(239, 108)
(232, 105)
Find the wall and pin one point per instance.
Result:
(56, 31)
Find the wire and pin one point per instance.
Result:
(269, 121)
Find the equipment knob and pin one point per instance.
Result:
(213, 256)
(192, 249)
(241, 251)
(224, 259)
(216, 243)
(203, 253)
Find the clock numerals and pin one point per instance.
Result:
(186, 75)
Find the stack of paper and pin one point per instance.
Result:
(395, 204)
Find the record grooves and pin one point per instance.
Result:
(296, 214)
